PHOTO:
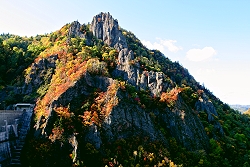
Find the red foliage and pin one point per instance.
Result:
(67, 72)
(102, 106)
(137, 99)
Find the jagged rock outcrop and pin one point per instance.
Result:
(124, 68)
(155, 83)
(126, 119)
(40, 73)
(83, 87)
(204, 104)
(76, 30)
(183, 124)
(106, 28)
(130, 72)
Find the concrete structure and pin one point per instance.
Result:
(10, 115)
(14, 126)
(23, 107)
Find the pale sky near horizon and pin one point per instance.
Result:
(209, 38)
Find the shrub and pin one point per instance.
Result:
(170, 97)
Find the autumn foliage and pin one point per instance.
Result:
(102, 106)
(171, 96)
(69, 70)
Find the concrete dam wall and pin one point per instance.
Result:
(14, 126)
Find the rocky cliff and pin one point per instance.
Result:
(40, 73)
(104, 99)
(106, 28)
(125, 119)
(101, 94)
(78, 30)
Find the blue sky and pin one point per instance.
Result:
(209, 38)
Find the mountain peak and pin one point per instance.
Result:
(106, 28)
(102, 97)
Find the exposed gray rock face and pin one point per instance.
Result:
(106, 28)
(183, 124)
(72, 140)
(83, 86)
(204, 104)
(155, 83)
(93, 136)
(125, 120)
(128, 120)
(130, 72)
(180, 123)
(41, 73)
(124, 69)
(76, 31)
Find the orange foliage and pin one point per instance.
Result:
(102, 106)
(63, 112)
(67, 72)
(200, 92)
(69, 68)
(56, 134)
(86, 117)
(170, 97)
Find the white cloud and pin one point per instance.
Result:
(200, 54)
(154, 45)
(170, 45)
(162, 44)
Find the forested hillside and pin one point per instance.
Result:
(104, 99)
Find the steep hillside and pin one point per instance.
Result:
(102, 98)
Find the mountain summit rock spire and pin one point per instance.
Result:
(106, 28)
